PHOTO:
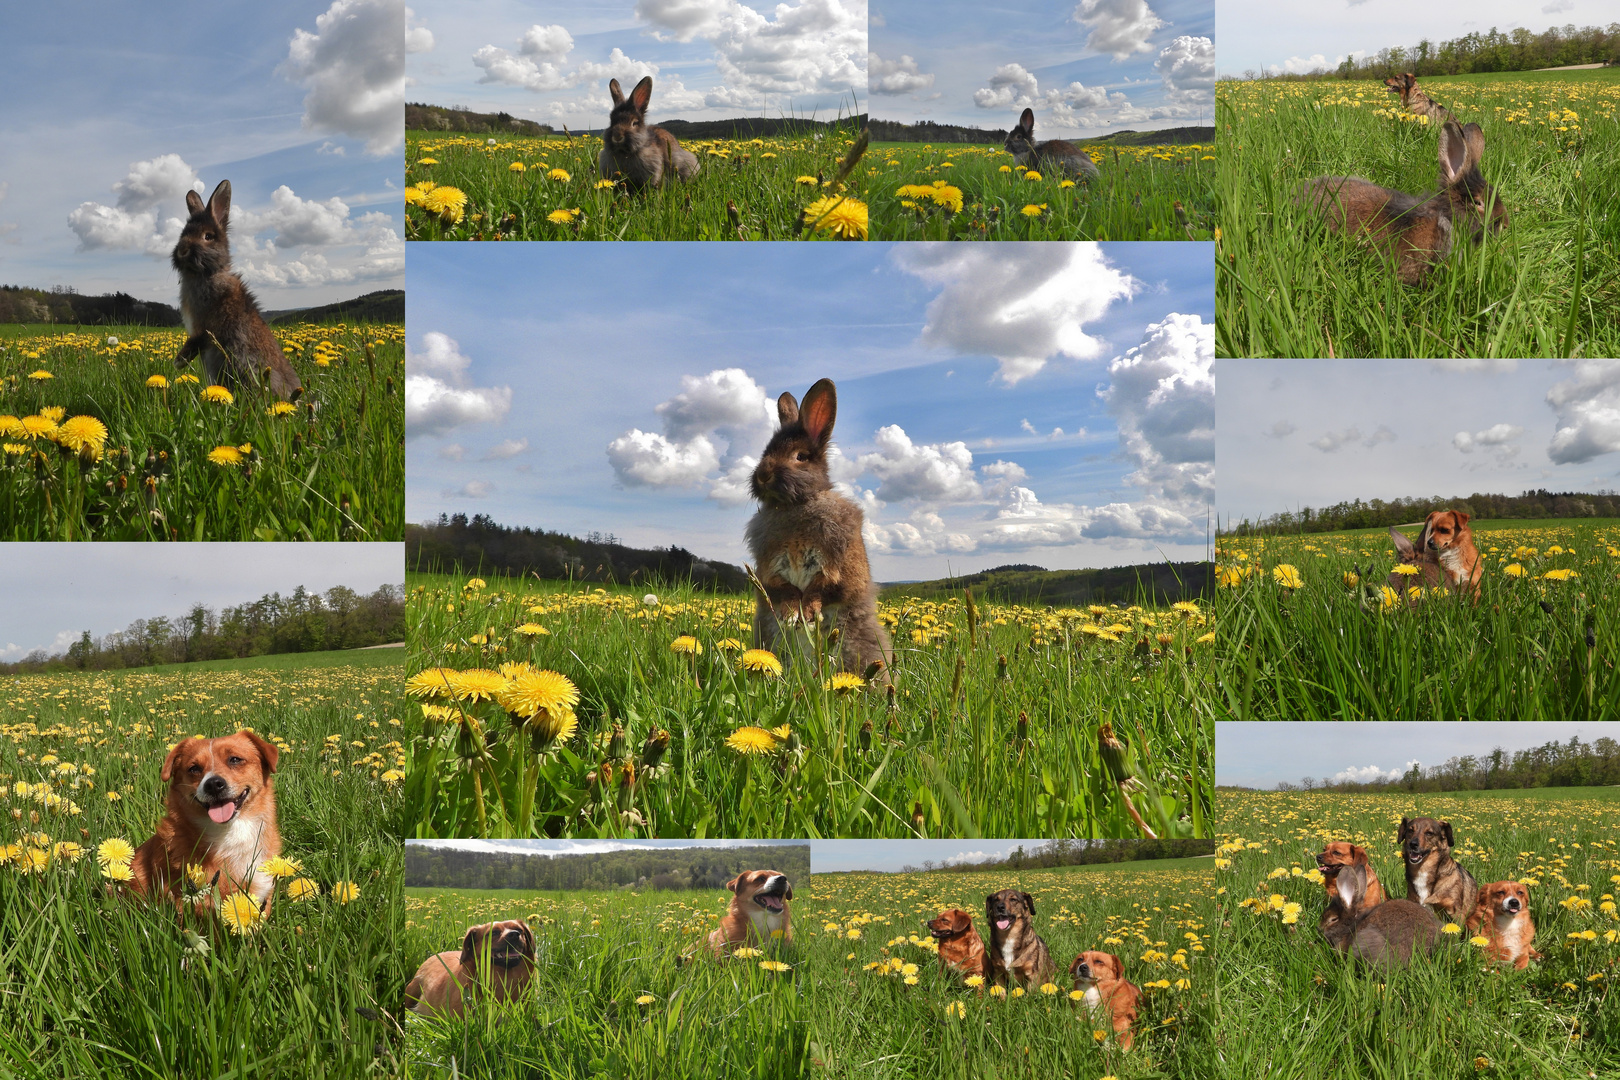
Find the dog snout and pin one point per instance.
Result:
(214, 787)
(1513, 903)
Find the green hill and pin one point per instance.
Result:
(1151, 583)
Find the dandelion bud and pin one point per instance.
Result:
(918, 822)
(1023, 726)
(1548, 608)
(1001, 665)
(866, 735)
(1116, 754)
(872, 670)
(652, 751)
(618, 745)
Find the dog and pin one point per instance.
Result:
(496, 957)
(1503, 914)
(1406, 88)
(1448, 538)
(221, 817)
(758, 911)
(1342, 853)
(1015, 949)
(961, 949)
(1100, 978)
(1433, 878)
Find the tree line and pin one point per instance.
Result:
(706, 868)
(1380, 513)
(1553, 764)
(303, 621)
(1055, 853)
(21, 304)
(1517, 50)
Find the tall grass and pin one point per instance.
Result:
(1533, 648)
(1548, 285)
(1290, 1006)
(93, 985)
(993, 730)
(330, 467)
(610, 995)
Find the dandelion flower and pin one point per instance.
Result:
(281, 408)
(157, 382)
(559, 174)
(530, 629)
(1032, 175)
(807, 181)
(751, 740)
(761, 660)
(844, 217)
(686, 643)
(516, 166)
(956, 1009)
(1049, 989)
(1033, 211)
(532, 692)
(41, 375)
(114, 850)
(301, 889)
(280, 867)
(117, 871)
(240, 912)
(843, 682)
(449, 203)
(600, 184)
(38, 427)
(1405, 569)
(775, 965)
(974, 981)
(645, 999)
(1451, 928)
(430, 682)
(81, 432)
(218, 395)
(225, 455)
(562, 217)
(1287, 576)
(345, 891)
(476, 684)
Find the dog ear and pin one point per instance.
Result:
(267, 750)
(169, 762)
(1358, 855)
(1445, 830)
(732, 884)
(469, 945)
(528, 939)
(1462, 518)
(1406, 830)
(1029, 902)
(789, 894)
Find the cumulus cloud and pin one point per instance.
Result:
(931, 473)
(648, 459)
(354, 69)
(506, 448)
(1000, 477)
(472, 489)
(1187, 66)
(726, 398)
(1118, 27)
(1362, 774)
(297, 222)
(1588, 410)
(1011, 87)
(1078, 106)
(895, 77)
(1023, 304)
(418, 38)
(924, 533)
(712, 424)
(1496, 436)
(1162, 395)
(437, 397)
(1558, 7)
(135, 223)
(1332, 441)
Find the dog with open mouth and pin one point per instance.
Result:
(758, 912)
(1015, 949)
(1433, 878)
(221, 817)
(1341, 853)
(1104, 990)
(496, 958)
(1502, 917)
(961, 949)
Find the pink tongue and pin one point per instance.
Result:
(222, 813)
(1002, 924)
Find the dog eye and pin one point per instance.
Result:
(235, 761)
(195, 769)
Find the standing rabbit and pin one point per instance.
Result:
(1385, 935)
(806, 539)
(642, 155)
(1056, 154)
(222, 319)
(1417, 231)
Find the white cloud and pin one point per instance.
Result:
(1000, 477)
(1162, 395)
(1028, 427)
(547, 42)
(472, 489)
(930, 473)
(1023, 304)
(1304, 65)
(506, 448)
(1588, 411)
(1187, 66)
(714, 423)
(733, 487)
(354, 69)
(160, 183)
(1362, 774)
(1011, 87)
(418, 38)
(1498, 435)
(895, 76)
(1382, 435)
(453, 452)
(1079, 106)
(437, 397)
(297, 222)
(924, 533)
(648, 459)
(726, 398)
(816, 46)
(1332, 442)
(135, 224)
(1118, 27)
(1558, 7)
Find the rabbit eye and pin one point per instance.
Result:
(208, 236)
(802, 456)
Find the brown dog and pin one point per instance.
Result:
(1014, 949)
(1100, 978)
(1416, 101)
(1447, 537)
(1433, 878)
(1503, 914)
(1343, 853)
(495, 958)
(960, 948)
(221, 817)
(758, 911)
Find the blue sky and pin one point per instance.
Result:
(117, 109)
(55, 592)
(1086, 68)
(1254, 754)
(709, 59)
(1262, 35)
(1047, 403)
(583, 847)
(1295, 433)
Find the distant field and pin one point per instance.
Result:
(355, 658)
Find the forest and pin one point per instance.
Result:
(1517, 50)
(1553, 764)
(1055, 853)
(1380, 514)
(709, 868)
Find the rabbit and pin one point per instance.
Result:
(222, 319)
(641, 154)
(806, 539)
(1418, 232)
(1384, 935)
(1063, 156)
(1429, 574)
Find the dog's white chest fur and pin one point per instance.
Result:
(239, 845)
(1452, 560)
(767, 922)
(798, 568)
(1008, 951)
(1420, 887)
(1092, 998)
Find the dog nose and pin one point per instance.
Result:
(214, 786)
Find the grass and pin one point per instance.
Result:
(1289, 1006)
(967, 748)
(557, 193)
(349, 658)
(330, 467)
(1330, 650)
(599, 954)
(868, 1023)
(1545, 286)
(984, 195)
(93, 985)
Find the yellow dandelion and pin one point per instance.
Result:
(218, 395)
(686, 643)
(530, 629)
(559, 174)
(345, 891)
(449, 203)
(761, 660)
(300, 889)
(225, 455)
(114, 850)
(751, 740)
(280, 867)
(531, 692)
(843, 682)
(1287, 576)
(844, 217)
(1030, 210)
(117, 871)
(240, 912)
(157, 382)
(476, 684)
(430, 682)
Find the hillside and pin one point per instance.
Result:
(929, 132)
(1156, 583)
(22, 304)
(451, 118)
(384, 306)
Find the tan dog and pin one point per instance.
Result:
(1433, 878)
(1014, 949)
(1342, 853)
(221, 817)
(1416, 101)
(960, 948)
(1503, 913)
(496, 958)
(1100, 978)
(1447, 537)
(758, 911)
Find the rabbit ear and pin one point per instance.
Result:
(219, 203)
(820, 409)
(615, 92)
(1474, 138)
(1453, 153)
(787, 409)
(642, 93)
(1352, 884)
(194, 202)
(1402, 544)
(1026, 120)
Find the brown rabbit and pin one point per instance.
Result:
(222, 319)
(1384, 935)
(1429, 574)
(1058, 155)
(1418, 232)
(806, 539)
(642, 155)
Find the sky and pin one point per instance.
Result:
(1295, 433)
(1258, 36)
(888, 856)
(998, 403)
(55, 592)
(1258, 754)
(117, 110)
(586, 847)
(550, 61)
(1086, 68)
